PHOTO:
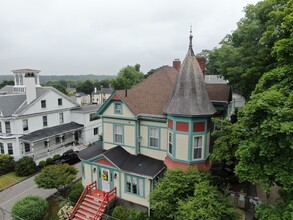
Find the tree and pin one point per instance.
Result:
(30, 208)
(206, 203)
(86, 86)
(250, 51)
(266, 121)
(178, 187)
(56, 177)
(25, 166)
(7, 164)
(5, 83)
(59, 85)
(128, 77)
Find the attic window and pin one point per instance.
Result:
(43, 104)
(118, 108)
(59, 101)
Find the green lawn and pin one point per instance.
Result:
(9, 179)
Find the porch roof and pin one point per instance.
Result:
(140, 164)
(45, 133)
(92, 151)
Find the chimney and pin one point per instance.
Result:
(29, 82)
(202, 63)
(95, 90)
(177, 64)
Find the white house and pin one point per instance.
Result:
(41, 121)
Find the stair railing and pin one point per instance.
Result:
(104, 202)
(87, 190)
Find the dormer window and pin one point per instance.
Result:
(118, 108)
(43, 104)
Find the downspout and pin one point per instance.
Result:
(138, 138)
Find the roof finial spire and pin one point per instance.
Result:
(190, 37)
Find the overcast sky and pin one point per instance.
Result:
(101, 37)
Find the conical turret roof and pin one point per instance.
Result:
(190, 97)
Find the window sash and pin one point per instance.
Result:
(59, 101)
(27, 147)
(134, 185)
(1, 148)
(96, 131)
(118, 108)
(7, 127)
(10, 148)
(197, 147)
(61, 118)
(45, 121)
(25, 125)
(43, 104)
(118, 134)
(154, 137)
(170, 140)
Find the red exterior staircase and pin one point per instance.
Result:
(92, 203)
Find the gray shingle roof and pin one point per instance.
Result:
(140, 164)
(190, 97)
(10, 103)
(51, 132)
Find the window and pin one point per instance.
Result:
(59, 101)
(96, 131)
(197, 147)
(7, 127)
(61, 118)
(118, 134)
(94, 116)
(0, 127)
(45, 121)
(27, 147)
(25, 125)
(10, 148)
(1, 148)
(58, 140)
(134, 185)
(43, 104)
(118, 108)
(154, 137)
(170, 141)
(47, 143)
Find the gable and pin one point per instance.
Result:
(51, 99)
(105, 161)
(115, 107)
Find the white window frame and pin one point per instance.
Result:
(117, 133)
(7, 127)
(10, 148)
(61, 118)
(25, 124)
(96, 131)
(118, 110)
(45, 121)
(170, 143)
(196, 146)
(154, 137)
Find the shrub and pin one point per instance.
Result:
(25, 166)
(42, 164)
(64, 212)
(30, 208)
(128, 214)
(56, 156)
(75, 192)
(7, 164)
(120, 212)
(49, 160)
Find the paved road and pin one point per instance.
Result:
(9, 196)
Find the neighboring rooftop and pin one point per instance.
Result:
(215, 79)
(50, 132)
(86, 108)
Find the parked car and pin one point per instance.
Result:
(69, 157)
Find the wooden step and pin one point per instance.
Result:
(90, 205)
(80, 216)
(87, 209)
(94, 198)
(84, 214)
(94, 202)
(77, 218)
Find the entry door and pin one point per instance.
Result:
(105, 180)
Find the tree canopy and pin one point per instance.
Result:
(262, 40)
(189, 195)
(56, 177)
(262, 137)
(128, 77)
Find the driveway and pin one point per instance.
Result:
(11, 195)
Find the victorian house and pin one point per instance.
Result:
(162, 123)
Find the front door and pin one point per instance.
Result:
(105, 180)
